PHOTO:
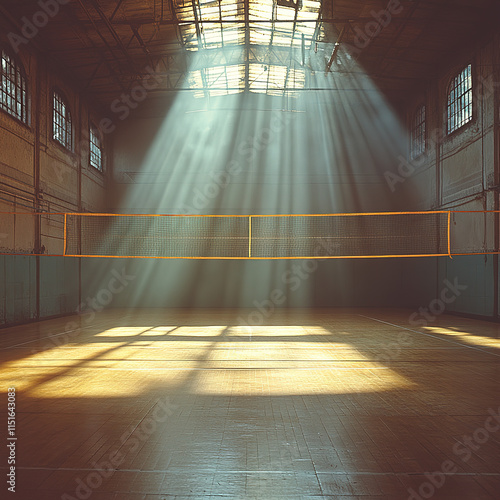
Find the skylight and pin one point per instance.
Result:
(267, 62)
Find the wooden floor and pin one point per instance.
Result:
(160, 404)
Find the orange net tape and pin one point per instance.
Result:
(289, 236)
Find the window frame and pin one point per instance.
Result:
(455, 85)
(25, 118)
(94, 131)
(64, 101)
(418, 131)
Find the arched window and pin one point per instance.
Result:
(62, 125)
(13, 88)
(460, 100)
(96, 148)
(418, 131)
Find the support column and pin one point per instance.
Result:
(36, 179)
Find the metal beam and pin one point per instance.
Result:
(118, 5)
(336, 49)
(289, 66)
(273, 17)
(106, 44)
(246, 13)
(399, 32)
(178, 31)
(195, 5)
(113, 32)
(142, 44)
(186, 22)
(100, 64)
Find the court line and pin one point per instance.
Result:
(241, 347)
(221, 368)
(66, 332)
(177, 469)
(432, 336)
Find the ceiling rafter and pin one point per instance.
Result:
(399, 31)
(181, 22)
(288, 67)
(112, 30)
(74, 20)
(98, 67)
(144, 47)
(103, 39)
(117, 8)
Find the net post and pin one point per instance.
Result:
(249, 236)
(64, 241)
(449, 236)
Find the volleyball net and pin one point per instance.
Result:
(325, 236)
(257, 237)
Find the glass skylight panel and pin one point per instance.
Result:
(285, 14)
(218, 80)
(296, 79)
(259, 10)
(233, 34)
(211, 34)
(212, 38)
(216, 77)
(196, 83)
(260, 34)
(235, 78)
(282, 38)
(311, 6)
(258, 77)
(231, 10)
(184, 10)
(188, 33)
(206, 33)
(274, 80)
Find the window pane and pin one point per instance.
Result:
(61, 123)
(95, 148)
(460, 100)
(418, 131)
(12, 88)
